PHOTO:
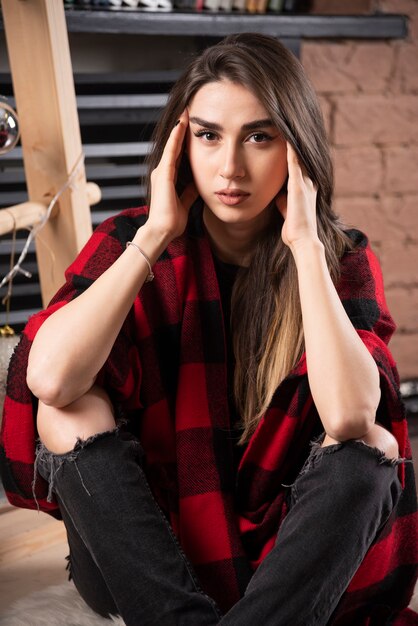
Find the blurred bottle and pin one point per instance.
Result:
(297, 6)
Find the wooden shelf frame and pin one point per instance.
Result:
(380, 26)
(192, 24)
(36, 37)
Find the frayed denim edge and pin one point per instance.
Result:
(317, 452)
(55, 461)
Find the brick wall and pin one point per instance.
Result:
(369, 93)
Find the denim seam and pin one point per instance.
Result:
(382, 460)
(317, 616)
(181, 552)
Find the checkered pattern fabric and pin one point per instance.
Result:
(167, 375)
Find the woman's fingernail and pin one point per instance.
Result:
(177, 123)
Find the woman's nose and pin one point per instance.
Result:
(232, 163)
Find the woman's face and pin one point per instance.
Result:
(237, 155)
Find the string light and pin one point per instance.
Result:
(6, 330)
(17, 268)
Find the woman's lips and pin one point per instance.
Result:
(232, 198)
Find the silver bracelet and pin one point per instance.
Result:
(150, 276)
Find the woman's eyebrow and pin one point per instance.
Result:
(256, 124)
(198, 120)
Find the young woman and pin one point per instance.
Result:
(195, 351)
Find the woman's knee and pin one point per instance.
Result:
(59, 428)
(377, 437)
(362, 471)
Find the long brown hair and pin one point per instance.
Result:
(267, 333)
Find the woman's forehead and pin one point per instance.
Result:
(224, 98)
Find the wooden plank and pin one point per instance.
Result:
(124, 191)
(110, 79)
(103, 171)
(131, 149)
(18, 317)
(28, 214)
(31, 266)
(25, 290)
(15, 197)
(117, 101)
(40, 62)
(107, 171)
(33, 547)
(122, 101)
(112, 117)
(175, 24)
(6, 197)
(95, 150)
(100, 216)
(33, 574)
(217, 25)
(25, 215)
(25, 532)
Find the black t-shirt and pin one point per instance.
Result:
(226, 274)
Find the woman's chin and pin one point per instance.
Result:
(237, 214)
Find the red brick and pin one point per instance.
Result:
(367, 119)
(403, 305)
(348, 67)
(395, 84)
(404, 7)
(326, 108)
(370, 65)
(323, 63)
(399, 262)
(358, 171)
(402, 213)
(404, 348)
(406, 70)
(401, 169)
(367, 215)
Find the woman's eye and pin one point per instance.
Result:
(206, 134)
(260, 137)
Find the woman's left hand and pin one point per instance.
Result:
(298, 205)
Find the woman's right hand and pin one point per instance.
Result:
(60, 369)
(168, 213)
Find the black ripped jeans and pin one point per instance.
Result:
(126, 560)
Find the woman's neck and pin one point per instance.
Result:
(234, 243)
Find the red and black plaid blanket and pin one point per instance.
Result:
(167, 375)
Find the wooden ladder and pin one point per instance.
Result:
(40, 62)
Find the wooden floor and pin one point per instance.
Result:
(33, 548)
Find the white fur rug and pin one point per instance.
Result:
(414, 600)
(60, 605)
